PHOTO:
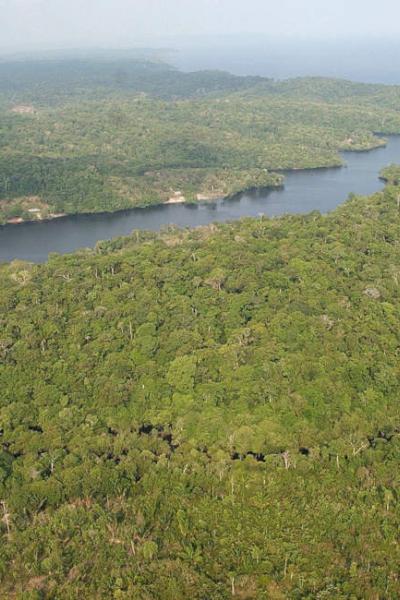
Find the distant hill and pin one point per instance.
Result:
(45, 78)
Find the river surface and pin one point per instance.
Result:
(304, 191)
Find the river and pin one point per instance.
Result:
(304, 191)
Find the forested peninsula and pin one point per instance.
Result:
(95, 136)
(208, 413)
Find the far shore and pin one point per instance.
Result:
(179, 198)
(49, 217)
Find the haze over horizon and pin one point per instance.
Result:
(45, 24)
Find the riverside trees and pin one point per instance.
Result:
(194, 414)
(90, 147)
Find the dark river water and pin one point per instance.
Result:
(303, 192)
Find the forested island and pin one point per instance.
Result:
(87, 136)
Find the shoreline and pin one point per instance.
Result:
(204, 199)
(67, 235)
(180, 202)
(21, 221)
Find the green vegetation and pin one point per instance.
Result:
(391, 174)
(93, 136)
(206, 414)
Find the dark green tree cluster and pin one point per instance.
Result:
(391, 174)
(206, 414)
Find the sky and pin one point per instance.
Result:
(128, 23)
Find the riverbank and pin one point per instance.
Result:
(272, 180)
(276, 180)
(304, 191)
(129, 149)
(38, 219)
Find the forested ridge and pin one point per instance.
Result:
(206, 414)
(91, 136)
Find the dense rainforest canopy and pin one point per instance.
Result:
(206, 414)
(197, 414)
(89, 136)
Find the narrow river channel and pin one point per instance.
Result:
(303, 192)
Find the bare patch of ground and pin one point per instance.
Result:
(23, 109)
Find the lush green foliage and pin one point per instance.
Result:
(391, 174)
(103, 136)
(206, 414)
(49, 82)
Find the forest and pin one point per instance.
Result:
(391, 174)
(206, 414)
(98, 136)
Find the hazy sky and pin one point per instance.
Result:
(68, 23)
